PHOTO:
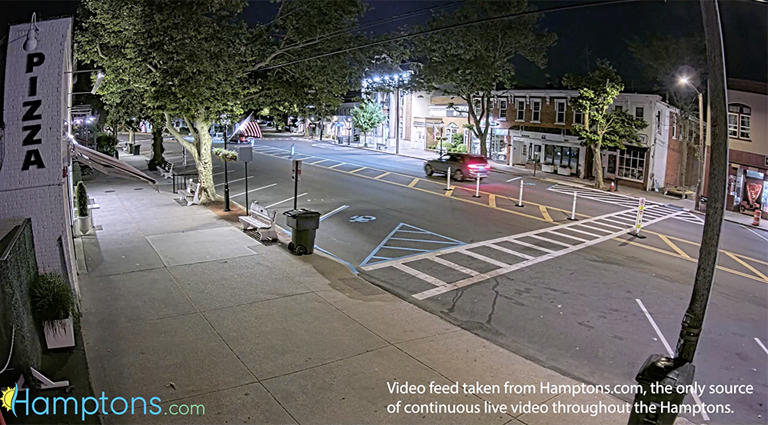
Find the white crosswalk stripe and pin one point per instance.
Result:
(503, 254)
(624, 201)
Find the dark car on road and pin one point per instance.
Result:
(462, 165)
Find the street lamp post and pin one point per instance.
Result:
(702, 146)
(226, 175)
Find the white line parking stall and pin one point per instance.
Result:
(506, 254)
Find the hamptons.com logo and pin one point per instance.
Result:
(18, 402)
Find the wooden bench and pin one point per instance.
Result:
(261, 220)
(191, 195)
(682, 192)
(166, 170)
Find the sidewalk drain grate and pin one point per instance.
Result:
(109, 191)
(138, 188)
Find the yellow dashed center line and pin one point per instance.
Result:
(674, 247)
(449, 192)
(359, 169)
(413, 182)
(386, 173)
(492, 200)
(338, 165)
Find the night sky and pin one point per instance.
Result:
(583, 35)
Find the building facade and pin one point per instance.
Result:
(527, 125)
(747, 147)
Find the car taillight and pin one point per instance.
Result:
(477, 166)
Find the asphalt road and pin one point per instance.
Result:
(578, 310)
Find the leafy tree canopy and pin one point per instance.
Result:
(471, 61)
(603, 126)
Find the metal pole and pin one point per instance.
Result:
(247, 207)
(702, 152)
(573, 208)
(477, 187)
(184, 155)
(448, 179)
(226, 175)
(520, 200)
(295, 185)
(397, 120)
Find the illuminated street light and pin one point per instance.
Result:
(686, 81)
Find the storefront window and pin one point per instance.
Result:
(632, 164)
(548, 154)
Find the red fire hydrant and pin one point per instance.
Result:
(756, 217)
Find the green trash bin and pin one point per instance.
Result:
(303, 223)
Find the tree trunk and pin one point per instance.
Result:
(203, 162)
(365, 139)
(483, 147)
(597, 166)
(157, 147)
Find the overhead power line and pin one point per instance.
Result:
(451, 27)
(365, 26)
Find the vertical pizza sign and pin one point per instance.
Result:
(35, 104)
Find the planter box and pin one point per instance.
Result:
(564, 171)
(59, 334)
(83, 225)
(547, 168)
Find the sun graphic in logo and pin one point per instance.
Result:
(7, 398)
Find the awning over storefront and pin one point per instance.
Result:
(107, 164)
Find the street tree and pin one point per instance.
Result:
(604, 126)
(195, 60)
(471, 61)
(366, 117)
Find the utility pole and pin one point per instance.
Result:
(702, 151)
(718, 177)
(679, 369)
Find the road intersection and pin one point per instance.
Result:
(562, 293)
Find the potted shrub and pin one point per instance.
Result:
(84, 221)
(53, 305)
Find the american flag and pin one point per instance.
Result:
(251, 129)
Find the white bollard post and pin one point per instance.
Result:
(520, 200)
(573, 208)
(477, 187)
(448, 179)
(639, 219)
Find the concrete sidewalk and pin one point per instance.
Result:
(180, 304)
